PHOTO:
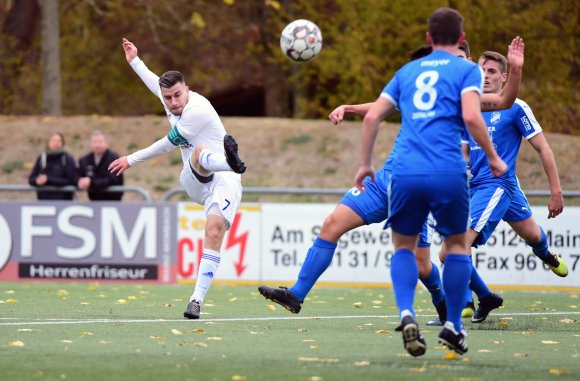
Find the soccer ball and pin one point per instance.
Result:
(301, 40)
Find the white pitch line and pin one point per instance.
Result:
(227, 320)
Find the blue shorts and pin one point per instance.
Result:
(488, 207)
(372, 205)
(412, 197)
(519, 209)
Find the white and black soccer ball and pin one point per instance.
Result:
(301, 40)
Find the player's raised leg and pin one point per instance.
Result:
(318, 258)
(212, 161)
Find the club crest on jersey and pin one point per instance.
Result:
(495, 117)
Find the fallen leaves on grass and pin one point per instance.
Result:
(131, 297)
(122, 301)
(11, 301)
(568, 321)
(167, 305)
(559, 372)
(9, 292)
(550, 342)
(17, 344)
(302, 330)
(28, 330)
(158, 337)
(233, 299)
(450, 356)
(502, 323)
(66, 341)
(214, 338)
(317, 359)
(520, 355)
(271, 307)
(484, 350)
(176, 332)
(86, 333)
(104, 342)
(422, 369)
(314, 347)
(361, 363)
(203, 345)
(357, 304)
(308, 341)
(197, 330)
(62, 293)
(237, 377)
(377, 302)
(383, 331)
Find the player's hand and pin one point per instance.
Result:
(84, 183)
(497, 166)
(337, 115)
(556, 205)
(362, 173)
(41, 180)
(516, 52)
(130, 50)
(119, 166)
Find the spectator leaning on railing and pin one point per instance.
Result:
(93, 169)
(54, 167)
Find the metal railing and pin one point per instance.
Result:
(247, 190)
(340, 191)
(69, 188)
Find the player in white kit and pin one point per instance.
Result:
(211, 165)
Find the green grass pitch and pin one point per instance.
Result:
(89, 331)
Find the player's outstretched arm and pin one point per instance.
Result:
(556, 204)
(160, 147)
(378, 111)
(150, 79)
(506, 98)
(337, 115)
(470, 107)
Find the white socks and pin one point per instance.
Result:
(208, 266)
(213, 161)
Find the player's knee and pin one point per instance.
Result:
(423, 264)
(195, 159)
(214, 234)
(331, 229)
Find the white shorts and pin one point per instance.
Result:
(221, 196)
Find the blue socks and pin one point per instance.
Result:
(434, 285)
(540, 248)
(404, 274)
(456, 276)
(477, 284)
(318, 259)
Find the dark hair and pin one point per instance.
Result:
(420, 52)
(465, 47)
(59, 134)
(445, 26)
(497, 57)
(170, 78)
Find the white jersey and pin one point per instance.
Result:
(198, 123)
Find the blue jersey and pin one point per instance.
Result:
(506, 128)
(428, 93)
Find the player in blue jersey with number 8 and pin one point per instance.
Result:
(438, 96)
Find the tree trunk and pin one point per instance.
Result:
(50, 32)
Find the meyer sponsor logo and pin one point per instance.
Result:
(434, 63)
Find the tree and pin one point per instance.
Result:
(51, 79)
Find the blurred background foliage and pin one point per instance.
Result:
(229, 51)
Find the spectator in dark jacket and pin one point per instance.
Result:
(54, 167)
(94, 172)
